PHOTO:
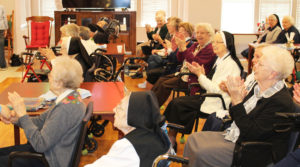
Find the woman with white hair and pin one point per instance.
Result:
(200, 52)
(159, 32)
(183, 110)
(253, 115)
(138, 117)
(55, 132)
(289, 32)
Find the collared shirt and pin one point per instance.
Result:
(233, 132)
(198, 48)
(219, 60)
(63, 95)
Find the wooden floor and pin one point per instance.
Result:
(104, 142)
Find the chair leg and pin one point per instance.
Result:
(28, 67)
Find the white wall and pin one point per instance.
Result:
(193, 11)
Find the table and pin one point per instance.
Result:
(112, 50)
(105, 95)
(254, 33)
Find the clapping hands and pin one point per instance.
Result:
(7, 116)
(196, 68)
(236, 89)
(180, 43)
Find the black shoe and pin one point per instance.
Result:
(137, 75)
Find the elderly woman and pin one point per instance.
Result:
(54, 133)
(272, 32)
(187, 30)
(138, 117)
(289, 32)
(160, 31)
(155, 62)
(87, 42)
(183, 110)
(253, 114)
(200, 52)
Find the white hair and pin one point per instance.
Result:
(207, 27)
(70, 30)
(279, 60)
(68, 71)
(290, 19)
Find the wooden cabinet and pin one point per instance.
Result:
(127, 34)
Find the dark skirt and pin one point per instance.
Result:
(183, 111)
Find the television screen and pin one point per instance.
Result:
(96, 3)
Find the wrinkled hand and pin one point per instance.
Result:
(236, 89)
(180, 43)
(223, 87)
(17, 103)
(12, 119)
(296, 92)
(196, 68)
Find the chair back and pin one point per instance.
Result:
(10, 34)
(81, 138)
(39, 31)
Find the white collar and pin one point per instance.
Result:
(63, 95)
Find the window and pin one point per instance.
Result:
(148, 9)
(237, 16)
(279, 7)
(47, 8)
(298, 15)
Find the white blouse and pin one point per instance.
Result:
(121, 154)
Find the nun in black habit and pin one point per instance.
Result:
(183, 110)
(138, 117)
(74, 47)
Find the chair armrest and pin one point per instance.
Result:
(26, 38)
(175, 126)
(215, 95)
(170, 157)
(256, 145)
(23, 154)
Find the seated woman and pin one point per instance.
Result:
(138, 117)
(200, 52)
(253, 114)
(87, 42)
(183, 110)
(289, 32)
(272, 32)
(160, 31)
(155, 62)
(55, 132)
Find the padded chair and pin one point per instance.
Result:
(250, 148)
(10, 35)
(39, 33)
(78, 148)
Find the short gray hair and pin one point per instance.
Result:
(160, 14)
(70, 30)
(207, 27)
(290, 19)
(279, 60)
(84, 32)
(68, 71)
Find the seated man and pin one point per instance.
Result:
(138, 117)
(55, 132)
(253, 114)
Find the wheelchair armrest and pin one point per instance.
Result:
(23, 154)
(215, 95)
(178, 159)
(256, 145)
(170, 157)
(175, 126)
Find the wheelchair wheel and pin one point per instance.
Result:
(91, 145)
(105, 69)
